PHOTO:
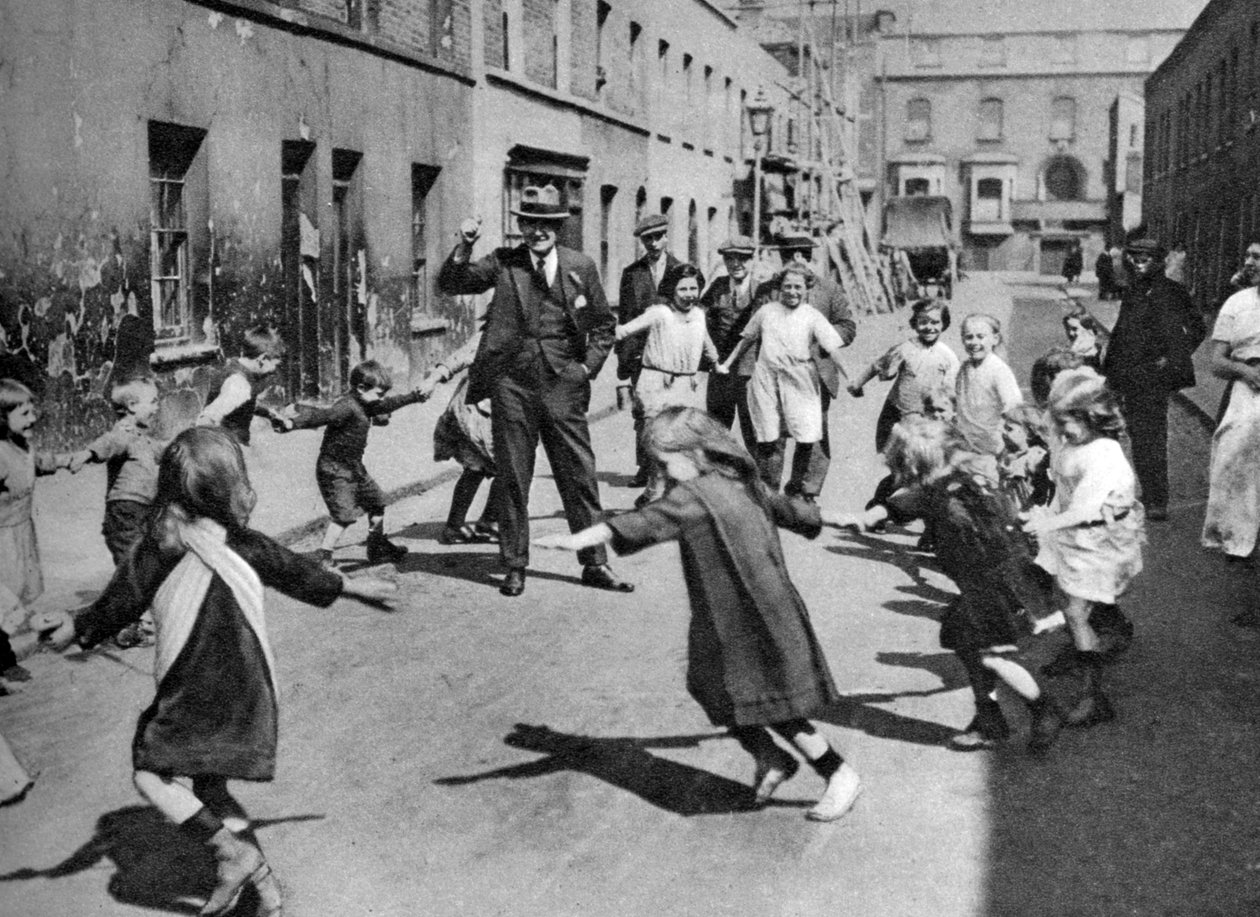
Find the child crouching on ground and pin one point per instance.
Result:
(131, 457)
(344, 483)
(1091, 540)
(980, 548)
(754, 664)
(214, 717)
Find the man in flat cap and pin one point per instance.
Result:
(639, 283)
(548, 330)
(1148, 358)
(809, 465)
(728, 304)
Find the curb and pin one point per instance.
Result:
(303, 530)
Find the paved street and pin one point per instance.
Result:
(472, 754)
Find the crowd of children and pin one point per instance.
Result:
(1031, 509)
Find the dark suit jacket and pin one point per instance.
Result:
(827, 297)
(726, 324)
(509, 271)
(1155, 321)
(637, 292)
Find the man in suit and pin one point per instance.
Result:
(1148, 358)
(810, 463)
(639, 284)
(548, 330)
(728, 304)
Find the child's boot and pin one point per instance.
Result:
(843, 788)
(773, 770)
(1114, 629)
(380, 550)
(1047, 722)
(986, 729)
(239, 863)
(1094, 708)
(1065, 663)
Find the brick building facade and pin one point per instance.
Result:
(1003, 107)
(304, 163)
(1203, 146)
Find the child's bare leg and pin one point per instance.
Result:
(1077, 614)
(774, 766)
(462, 497)
(843, 785)
(332, 535)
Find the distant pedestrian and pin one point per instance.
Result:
(784, 395)
(640, 283)
(214, 716)
(678, 347)
(464, 433)
(1148, 358)
(728, 304)
(1105, 272)
(754, 663)
(979, 548)
(131, 455)
(1091, 540)
(986, 388)
(21, 577)
(232, 400)
(1073, 263)
(348, 489)
(1233, 511)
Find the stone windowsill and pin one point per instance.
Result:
(169, 356)
(423, 326)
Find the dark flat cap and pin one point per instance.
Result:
(1145, 247)
(650, 225)
(797, 241)
(737, 245)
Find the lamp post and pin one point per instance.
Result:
(759, 111)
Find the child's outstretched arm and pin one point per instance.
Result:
(725, 366)
(859, 521)
(856, 385)
(587, 538)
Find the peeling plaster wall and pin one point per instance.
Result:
(81, 79)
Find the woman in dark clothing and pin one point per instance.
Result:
(214, 717)
(754, 664)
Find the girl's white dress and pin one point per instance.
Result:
(1095, 560)
(785, 392)
(1233, 510)
(677, 342)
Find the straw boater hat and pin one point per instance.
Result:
(541, 204)
(737, 245)
(655, 224)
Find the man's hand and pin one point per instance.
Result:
(470, 230)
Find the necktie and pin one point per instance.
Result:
(540, 271)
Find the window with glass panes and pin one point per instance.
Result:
(172, 149)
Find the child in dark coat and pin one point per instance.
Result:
(215, 714)
(980, 548)
(344, 483)
(755, 666)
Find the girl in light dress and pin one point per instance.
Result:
(754, 663)
(1091, 539)
(785, 391)
(986, 389)
(678, 345)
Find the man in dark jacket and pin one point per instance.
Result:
(548, 330)
(639, 284)
(1148, 358)
(809, 465)
(728, 304)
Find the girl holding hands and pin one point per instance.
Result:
(754, 664)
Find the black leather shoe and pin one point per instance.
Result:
(514, 582)
(601, 576)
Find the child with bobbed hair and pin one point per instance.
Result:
(1046, 368)
(214, 716)
(1024, 466)
(979, 547)
(1084, 334)
(1091, 538)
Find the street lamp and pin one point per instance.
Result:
(759, 111)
